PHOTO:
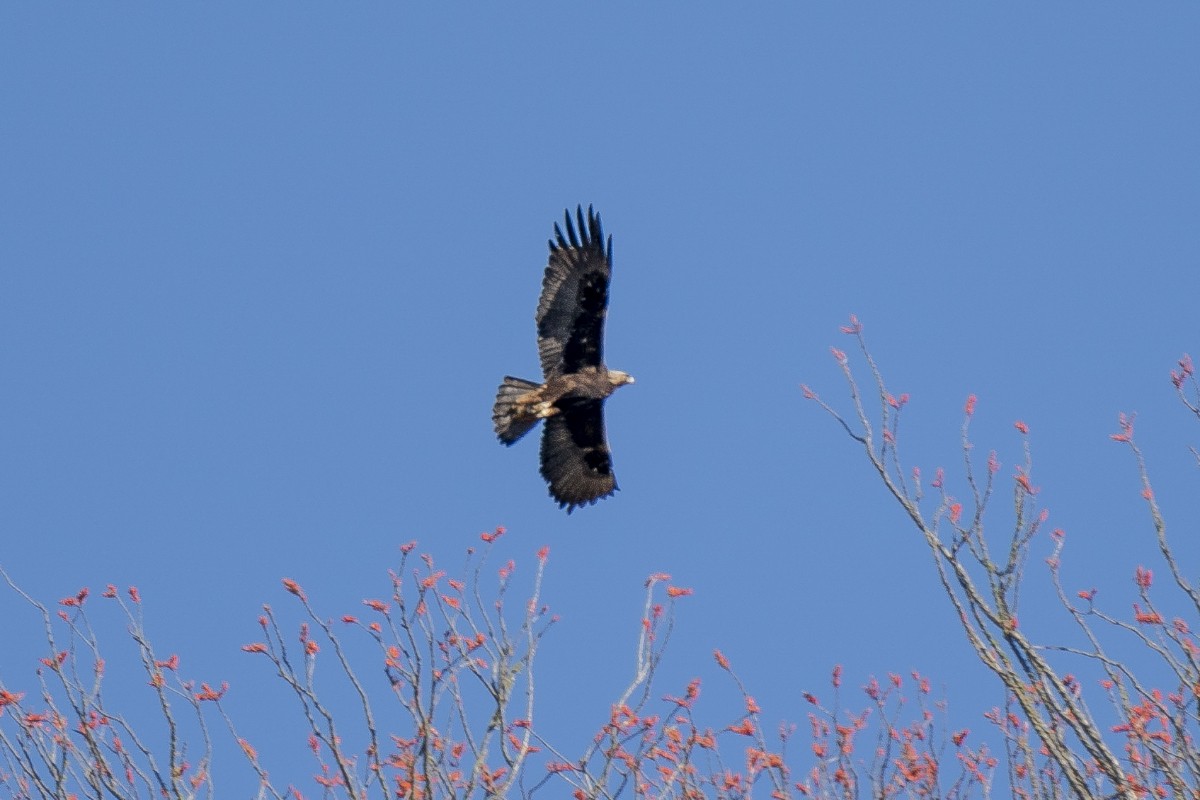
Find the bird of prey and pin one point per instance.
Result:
(576, 461)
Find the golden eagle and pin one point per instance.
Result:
(570, 323)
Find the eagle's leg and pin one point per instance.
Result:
(532, 405)
(544, 409)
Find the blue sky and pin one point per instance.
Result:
(263, 266)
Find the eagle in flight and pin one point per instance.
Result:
(576, 461)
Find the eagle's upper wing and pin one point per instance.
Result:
(570, 313)
(575, 456)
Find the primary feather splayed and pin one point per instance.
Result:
(576, 461)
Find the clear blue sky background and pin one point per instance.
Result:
(262, 265)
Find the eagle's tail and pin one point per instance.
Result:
(511, 423)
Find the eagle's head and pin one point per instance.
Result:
(618, 378)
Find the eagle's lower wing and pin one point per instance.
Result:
(570, 313)
(575, 458)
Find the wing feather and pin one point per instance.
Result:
(574, 301)
(576, 461)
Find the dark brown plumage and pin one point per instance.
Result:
(576, 461)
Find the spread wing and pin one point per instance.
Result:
(570, 313)
(575, 457)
